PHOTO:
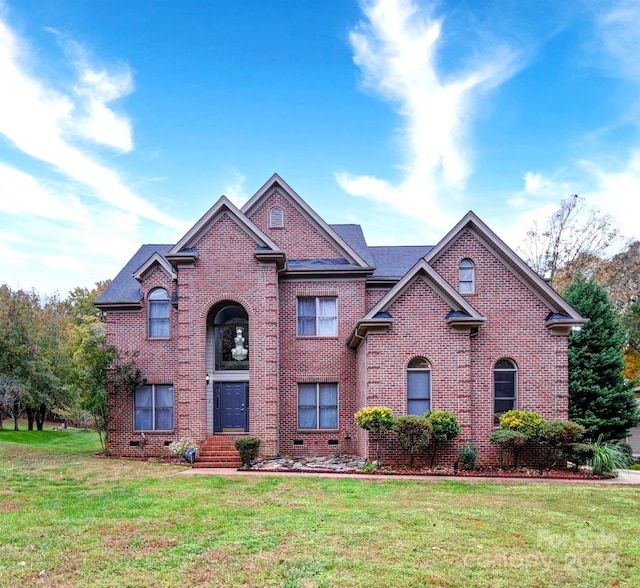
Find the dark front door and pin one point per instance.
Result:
(233, 403)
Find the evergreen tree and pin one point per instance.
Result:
(599, 397)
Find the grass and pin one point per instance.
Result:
(68, 519)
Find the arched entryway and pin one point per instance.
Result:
(228, 358)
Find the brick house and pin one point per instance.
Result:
(269, 321)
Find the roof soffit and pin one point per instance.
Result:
(276, 182)
(509, 259)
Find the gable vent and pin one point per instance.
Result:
(276, 217)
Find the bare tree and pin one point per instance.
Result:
(570, 242)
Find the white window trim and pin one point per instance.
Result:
(153, 409)
(150, 300)
(317, 316)
(513, 370)
(318, 427)
(430, 399)
(470, 265)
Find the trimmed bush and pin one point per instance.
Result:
(375, 419)
(557, 436)
(248, 448)
(467, 455)
(527, 422)
(444, 427)
(579, 453)
(413, 433)
(509, 441)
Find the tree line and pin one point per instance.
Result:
(54, 359)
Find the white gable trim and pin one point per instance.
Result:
(158, 259)
(510, 259)
(221, 207)
(328, 233)
(440, 286)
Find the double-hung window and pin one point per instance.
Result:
(418, 386)
(504, 388)
(467, 270)
(153, 408)
(317, 406)
(158, 313)
(317, 316)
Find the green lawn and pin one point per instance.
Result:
(68, 519)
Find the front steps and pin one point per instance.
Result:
(218, 451)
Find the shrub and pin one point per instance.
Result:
(627, 450)
(375, 419)
(248, 447)
(557, 436)
(180, 448)
(467, 455)
(413, 433)
(444, 427)
(527, 422)
(579, 453)
(509, 441)
(607, 457)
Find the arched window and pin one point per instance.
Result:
(466, 276)
(159, 313)
(276, 217)
(418, 386)
(504, 388)
(231, 332)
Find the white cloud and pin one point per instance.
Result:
(618, 30)
(41, 122)
(397, 52)
(235, 190)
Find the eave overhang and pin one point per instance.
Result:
(562, 325)
(270, 256)
(365, 326)
(118, 306)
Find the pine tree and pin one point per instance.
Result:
(599, 397)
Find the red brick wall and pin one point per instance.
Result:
(299, 238)
(318, 359)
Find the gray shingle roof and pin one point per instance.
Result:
(125, 288)
(395, 261)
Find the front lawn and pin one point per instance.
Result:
(68, 519)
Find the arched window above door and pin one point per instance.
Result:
(231, 335)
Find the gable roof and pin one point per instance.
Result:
(462, 317)
(276, 182)
(562, 316)
(185, 246)
(124, 290)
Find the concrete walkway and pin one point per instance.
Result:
(625, 477)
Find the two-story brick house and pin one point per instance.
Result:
(269, 321)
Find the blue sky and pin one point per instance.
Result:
(122, 122)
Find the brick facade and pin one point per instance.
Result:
(233, 257)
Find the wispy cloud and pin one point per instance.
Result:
(43, 123)
(396, 49)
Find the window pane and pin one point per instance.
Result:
(328, 417)
(328, 395)
(418, 407)
(143, 397)
(327, 307)
(327, 326)
(306, 326)
(307, 395)
(307, 418)
(418, 384)
(307, 307)
(143, 419)
(159, 328)
(164, 418)
(159, 309)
